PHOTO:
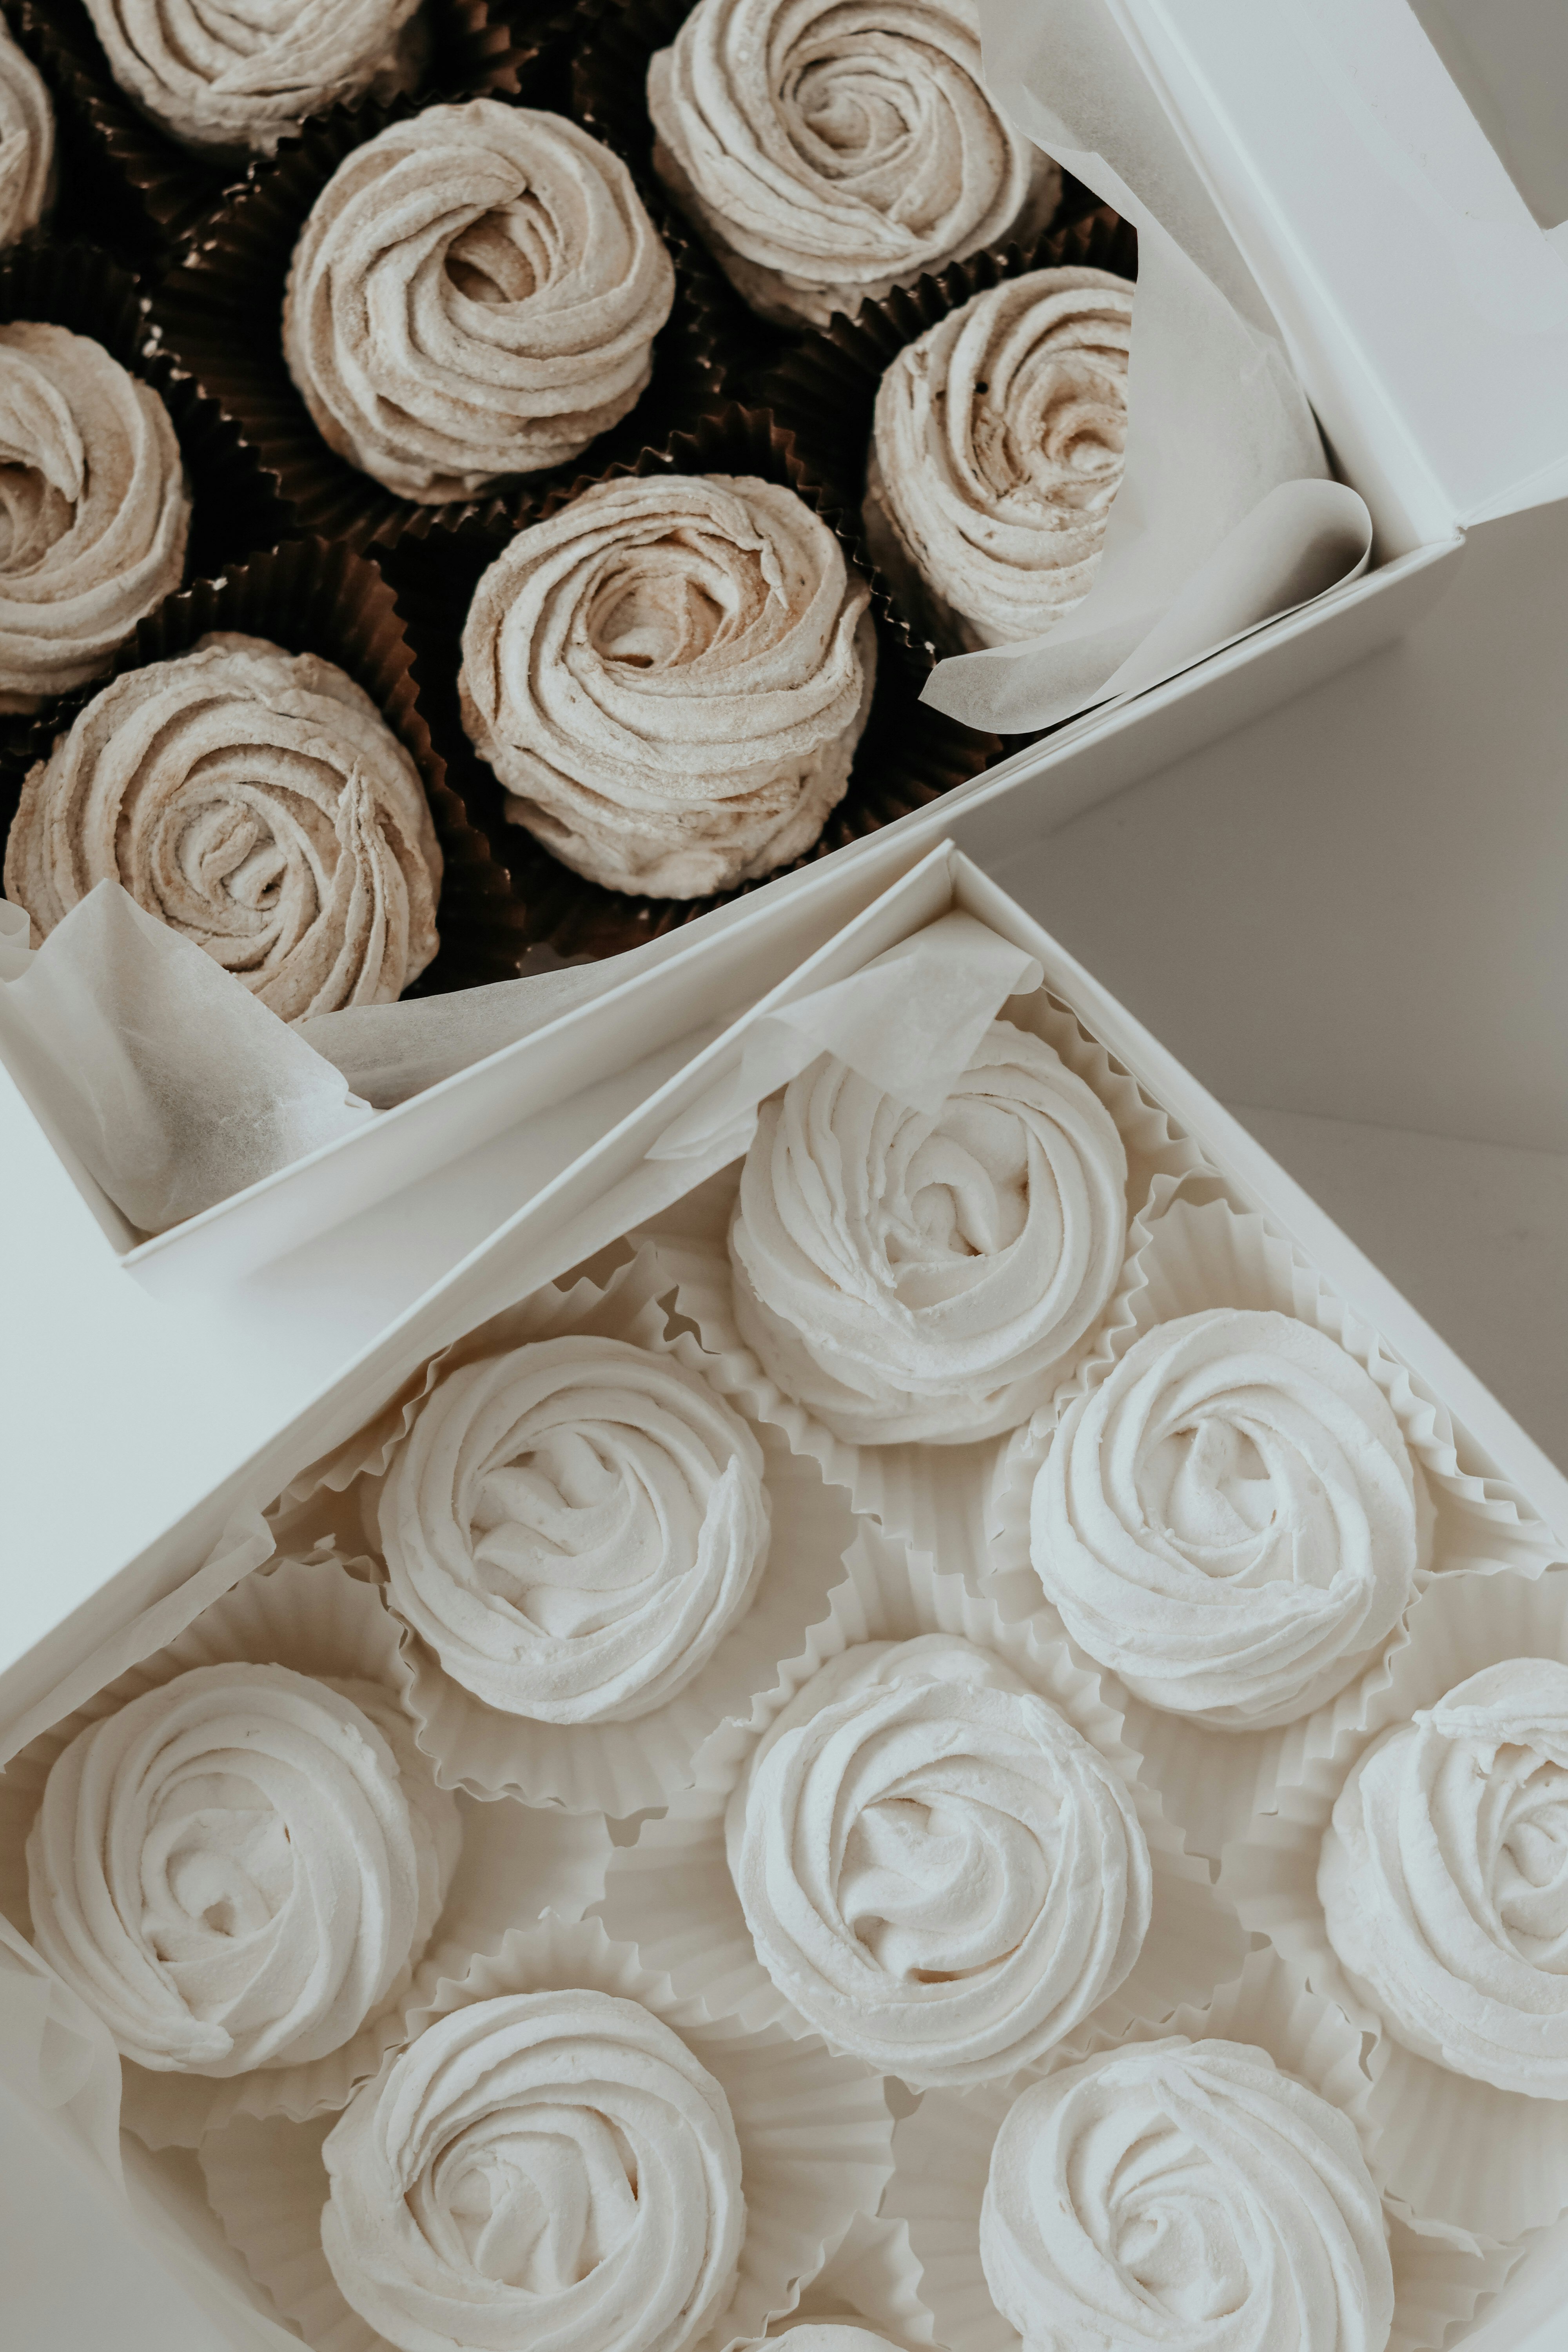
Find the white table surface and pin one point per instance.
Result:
(1348, 918)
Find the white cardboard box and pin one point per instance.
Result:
(618, 1182)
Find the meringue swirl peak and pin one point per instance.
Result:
(1444, 1878)
(940, 1873)
(909, 1275)
(1230, 1520)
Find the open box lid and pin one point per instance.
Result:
(1343, 142)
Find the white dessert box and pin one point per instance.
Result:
(1422, 293)
(684, 1130)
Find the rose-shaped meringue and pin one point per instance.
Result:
(1189, 2196)
(232, 77)
(239, 1867)
(917, 1276)
(474, 295)
(94, 509)
(255, 801)
(546, 2169)
(1230, 1520)
(940, 1873)
(830, 150)
(996, 453)
(573, 1526)
(669, 676)
(1444, 1878)
(27, 143)
(831, 2336)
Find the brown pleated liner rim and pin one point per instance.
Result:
(908, 756)
(823, 389)
(310, 597)
(477, 47)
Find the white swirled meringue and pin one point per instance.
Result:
(94, 509)
(1189, 2196)
(232, 77)
(474, 295)
(831, 2336)
(257, 801)
(550, 2168)
(830, 150)
(1444, 1878)
(996, 453)
(669, 676)
(573, 1526)
(917, 1276)
(940, 1873)
(27, 143)
(1230, 1521)
(238, 1868)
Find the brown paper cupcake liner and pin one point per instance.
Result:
(219, 310)
(312, 598)
(823, 388)
(475, 47)
(908, 756)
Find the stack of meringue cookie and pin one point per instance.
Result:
(949, 1753)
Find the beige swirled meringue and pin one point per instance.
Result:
(474, 295)
(996, 453)
(1444, 1878)
(255, 801)
(830, 150)
(911, 1275)
(573, 1526)
(831, 2336)
(669, 676)
(547, 2169)
(26, 144)
(238, 1868)
(94, 509)
(1185, 2197)
(1230, 1520)
(232, 79)
(940, 1873)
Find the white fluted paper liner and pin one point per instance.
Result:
(516, 1862)
(1216, 1782)
(672, 1892)
(1456, 2155)
(932, 1496)
(868, 2283)
(814, 2135)
(618, 1768)
(943, 2155)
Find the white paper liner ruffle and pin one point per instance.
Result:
(618, 1768)
(1457, 2156)
(943, 2155)
(814, 2136)
(1216, 1782)
(672, 1892)
(929, 1494)
(516, 1862)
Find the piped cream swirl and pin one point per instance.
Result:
(997, 454)
(257, 801)
(549, 2169)
(1230, 1519)
(1444, 1878)
(910, 1275)
(474, 295)
(1185, 2197)
(669, 676)
(26, 144)
(940, 1874)
(830, 150)
(233, 78)
(94, 509)
(238, 1868)
(573, 1526)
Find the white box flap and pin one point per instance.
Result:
(1374, 208)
